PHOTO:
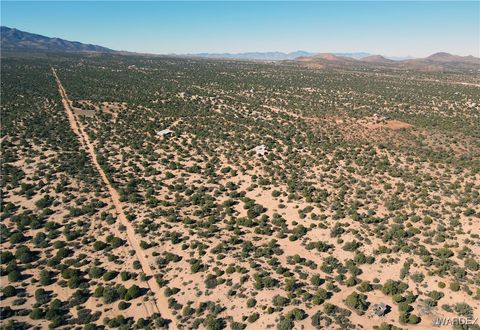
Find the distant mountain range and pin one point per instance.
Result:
(279, 56)
(263, 56)
(357, 55)
(435, 62)
(16, 40)
(13, 40)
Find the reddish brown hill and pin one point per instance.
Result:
(376, 59)
(435, 62)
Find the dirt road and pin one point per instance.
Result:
(160, 300)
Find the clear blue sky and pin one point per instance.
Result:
(389, 28)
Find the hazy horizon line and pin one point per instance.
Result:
(199, 53)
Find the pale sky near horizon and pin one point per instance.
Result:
(389, 28)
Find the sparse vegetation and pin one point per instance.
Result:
(341, 210)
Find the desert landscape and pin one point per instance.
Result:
(190, 182)
(194, 193)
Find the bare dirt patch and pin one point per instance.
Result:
(389, 124)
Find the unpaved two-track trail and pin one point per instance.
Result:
(160, 300)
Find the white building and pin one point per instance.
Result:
(261, 150)
(164, 132)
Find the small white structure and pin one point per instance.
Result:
(261, 150)
(380, 309)
(380, 118)
(165, 132)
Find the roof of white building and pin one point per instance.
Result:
(164, 132)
